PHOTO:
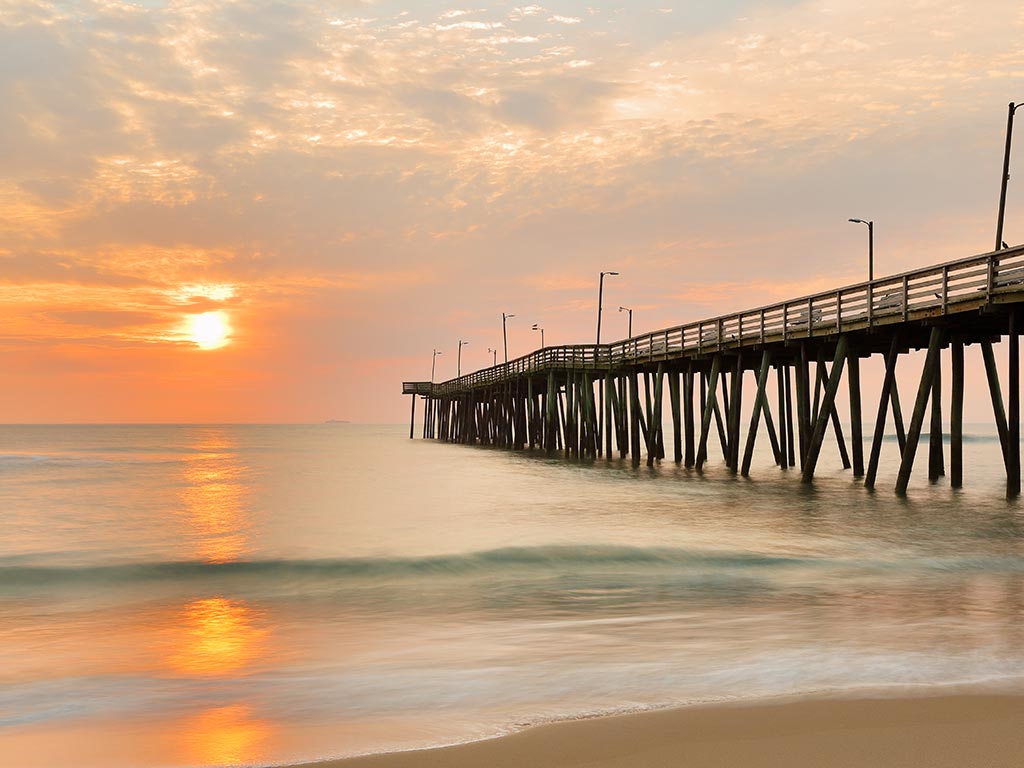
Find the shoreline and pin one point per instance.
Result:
(927, 730)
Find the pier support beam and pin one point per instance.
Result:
(827, 409)
(677, 427)
(936, 461)
(956, 417)
(856, 419)
(931, 363)
(690, 452)
(634, 427)
(997, 399)
(412, 418)
(710, 407)
(888, 387)
(803, 402)
(833, 414)
(760, 400)
(1013, 398)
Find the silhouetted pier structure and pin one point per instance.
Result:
(592, 400)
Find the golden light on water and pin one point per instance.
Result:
(216, 636)
(210, 330)
(214, 498)
(228, 735)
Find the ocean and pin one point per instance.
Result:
(178, 596)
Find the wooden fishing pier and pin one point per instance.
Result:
(592, 400)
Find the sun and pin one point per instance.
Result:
(209, 330)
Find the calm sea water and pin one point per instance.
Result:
(205, 595)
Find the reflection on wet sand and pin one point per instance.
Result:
(215, 497)
(228, 735)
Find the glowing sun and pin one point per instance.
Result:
(209, 330)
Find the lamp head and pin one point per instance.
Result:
(858, 221)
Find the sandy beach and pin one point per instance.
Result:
(958, 731)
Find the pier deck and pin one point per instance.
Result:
(546, 399)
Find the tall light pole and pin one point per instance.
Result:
(871, 246)
(536, 327)
(433, 363)
(600, 300)
(629, 333)
(1006, 175)
(495, 354)
(504, 332)
(461, 345)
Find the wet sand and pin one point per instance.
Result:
(958, 731)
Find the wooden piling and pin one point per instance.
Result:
(760, 398)
(790, 435)
(688, 426)
(992, 374)
(936, 465)
(734, 419)
(856, 420)
(677, 427)
(888, 386)
(826, 410)
(833, 414)
(1013, 417)
(803, 402)
(779, 380)
(956, 418)
(412, 418)
(709, 408)
(634, 427)
(920, 405)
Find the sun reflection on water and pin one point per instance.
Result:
(228, 735)
(217, 636)
(215, 498)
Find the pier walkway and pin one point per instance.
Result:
(546, 400)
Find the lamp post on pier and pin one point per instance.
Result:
(536, 327)
(1006, 176)
(504, 332)
(871, 246)
(629, 333)
(495, 354)
(461, 345)
(433, 363)
(600, 300)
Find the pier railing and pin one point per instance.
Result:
(955, 286)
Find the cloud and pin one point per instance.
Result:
(335, 161)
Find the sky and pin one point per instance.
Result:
(341, 188)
